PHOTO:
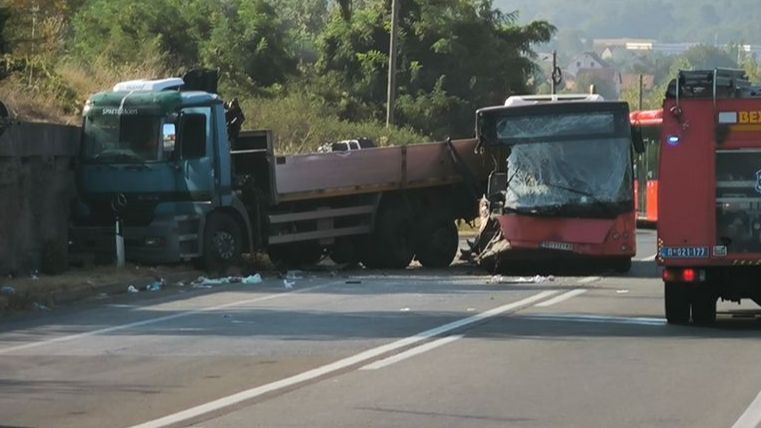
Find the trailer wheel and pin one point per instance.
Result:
(703, 307)
(677, 303)
(437, 243)
(389, 247)
(222, 243)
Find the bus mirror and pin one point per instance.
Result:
(637, 140)
(168, 137)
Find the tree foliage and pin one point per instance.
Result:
(455, 56)
(244, 39)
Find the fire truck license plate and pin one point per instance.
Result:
(562, 246)
(684, 252)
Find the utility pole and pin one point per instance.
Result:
(557, 74)
(35, 9)
(392, 51)
(641, 89)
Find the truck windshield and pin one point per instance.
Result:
(572, 165)
(122, 138)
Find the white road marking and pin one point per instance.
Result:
(411, 352)
(248, 394)
(158, 319)
(561, 298)
(751, 418)
(589, 279)
(647, 259)
(601, 319)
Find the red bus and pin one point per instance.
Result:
(646, 164)
(562, 189)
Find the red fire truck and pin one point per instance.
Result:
(709, 224)
(646, 164)
(562, 188)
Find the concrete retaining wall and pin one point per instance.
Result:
(37, 187)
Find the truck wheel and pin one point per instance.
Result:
(345, 252)
(437, 243)
(295, 255)
(222, 243)
(703, 307)
(677, 303)
(389, 247)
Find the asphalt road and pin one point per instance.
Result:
(413, 348)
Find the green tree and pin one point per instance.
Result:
(246, 40)
(455, 56)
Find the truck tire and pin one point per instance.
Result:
(437, 243)
(295, 255)
(677, 303)
(222, 243)
(703, 306)
(345, 251)
(390, 246)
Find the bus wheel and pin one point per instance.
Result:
(622, 265)
(703, 306)
(437, 243)
(222, 243)
(677, 303)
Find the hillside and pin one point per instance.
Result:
(703, 21)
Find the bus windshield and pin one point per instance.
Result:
(576, 164)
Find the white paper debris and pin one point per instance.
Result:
(252, 279)
(132, 289)
(288, 284)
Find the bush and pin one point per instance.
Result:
(301, 124)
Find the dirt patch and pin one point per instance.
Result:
(43, 291)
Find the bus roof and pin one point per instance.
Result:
(646, 117)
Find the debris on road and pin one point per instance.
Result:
(294, 274)
(252, 279)
(156, 286)
(622, 291)
(537, 279)
(288, 284)
(7, 291)
(405, 310)
(132, 289)
(39, 307)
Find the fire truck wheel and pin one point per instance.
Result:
(389, 247)
(222, 244)
(437, 243)
(703, 307)
(677, 303)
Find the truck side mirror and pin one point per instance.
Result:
(637, 141)
(168, 137)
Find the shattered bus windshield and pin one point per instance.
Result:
(122, 138)
(574, 164)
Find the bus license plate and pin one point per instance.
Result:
(561, 246)
(684, 252)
